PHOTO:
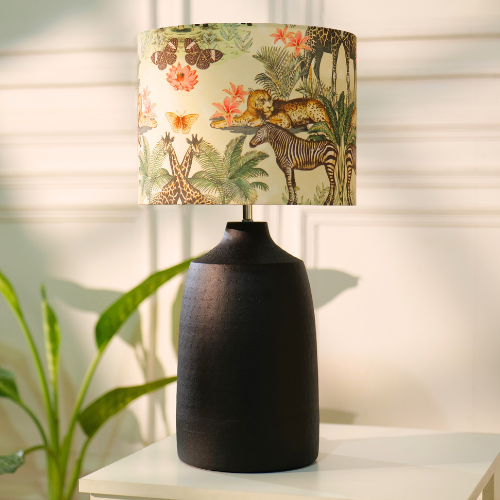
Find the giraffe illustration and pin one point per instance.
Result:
(169, 193)
(188, 194)
(329, 40)
(194, 149)
(179, 187)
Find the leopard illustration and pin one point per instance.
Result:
(261, 108)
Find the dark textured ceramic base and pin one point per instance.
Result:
(247, 387)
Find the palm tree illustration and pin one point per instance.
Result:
(229, 177)
(152, 175)
(342, 132)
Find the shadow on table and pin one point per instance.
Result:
(331, 416)
(421, 450)
(425, 461)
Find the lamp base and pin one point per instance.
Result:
(247, 386)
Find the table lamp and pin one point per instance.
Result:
(268, 114)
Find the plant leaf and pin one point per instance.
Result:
(341, 105)
(157, 157)
(233, 151)
(322, 128)
(117, 313)
(329, 110)
(161, 181)
(92, 417)
(317, 137)
(260, 185)
(144, 154)
(249, 172)
(8, 387)
(240, 191)
(205, 184)
(348, 118)
(250, 160)
(52, 337)
(10, 463)
(10, 296)
(211, 160)
(281, 71)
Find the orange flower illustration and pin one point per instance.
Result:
(148, 110)
(227, 110)
(236, 92)
(145, 93)
(182, 78)
(297, 41)
(281, 34)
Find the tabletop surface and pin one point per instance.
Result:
(354, 463)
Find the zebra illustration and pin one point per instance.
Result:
(350, 162)
(293, 153)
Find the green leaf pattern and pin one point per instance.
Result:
(8, 387)
(152, 176)
(114, 317)
(92, 417)
(52, 337)
(228, 176)
(10, 463)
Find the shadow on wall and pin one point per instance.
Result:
(94, 300)
(176, 315)
(326, 284)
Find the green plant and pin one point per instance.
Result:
(319, 196)
(228, 176)
(152, 176)
(153, 40)
(229, 30)
(300, 201)
(61, 477)
(340, 131)
(209, 40)
(243, 44)
(313, 89)
(282, 71)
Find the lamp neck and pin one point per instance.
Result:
(247, 213)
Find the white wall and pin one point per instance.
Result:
(416, 343)
(405, 284)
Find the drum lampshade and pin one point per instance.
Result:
(247, 114)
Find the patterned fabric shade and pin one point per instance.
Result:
(247, 114)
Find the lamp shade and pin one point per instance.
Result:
(247, 114)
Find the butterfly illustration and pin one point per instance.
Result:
(201, 57)
(167, 56)
(182, 123)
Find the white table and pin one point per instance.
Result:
(354, 463)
